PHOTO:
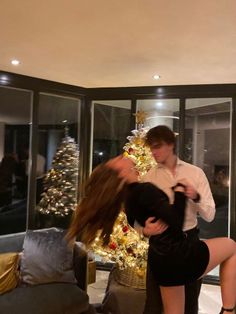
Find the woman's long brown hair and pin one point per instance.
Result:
(99, 207)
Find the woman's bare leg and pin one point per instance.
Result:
(223, 253)
(173, 299)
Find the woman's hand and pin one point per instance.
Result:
(154, 228)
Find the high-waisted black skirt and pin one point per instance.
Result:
(177, 262)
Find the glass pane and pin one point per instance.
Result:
(207, 145)
(111, 126)
(15, 107)
(57, 160)
(161, 112)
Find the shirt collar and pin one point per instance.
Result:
(179, 162)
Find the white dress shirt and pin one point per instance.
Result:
(164, 179)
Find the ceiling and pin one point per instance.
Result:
(121, 43)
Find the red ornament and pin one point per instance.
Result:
(130, 150)
(125, 229)
(112, 246)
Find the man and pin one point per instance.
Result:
(167, 173)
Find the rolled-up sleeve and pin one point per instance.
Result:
(206, 205)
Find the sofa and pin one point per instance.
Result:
(47, 298)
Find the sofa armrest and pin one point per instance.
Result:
(81, 265)
(12, 242)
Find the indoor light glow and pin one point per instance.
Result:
(168, 117)
(4, 79)
(156, 77)
(15, 62)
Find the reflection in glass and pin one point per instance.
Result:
(111, 126)
(161, 112)
(207, 145)
(57, 160)
(14, 134)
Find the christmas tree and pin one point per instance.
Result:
(60, 184)
(136, 148)
(139, 152)
(127, 248)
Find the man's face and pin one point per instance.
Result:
(161, 151)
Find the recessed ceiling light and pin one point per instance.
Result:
(156, 77)
(15, 62)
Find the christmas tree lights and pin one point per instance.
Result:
(61, 181)
(127, 247)
(139, 152)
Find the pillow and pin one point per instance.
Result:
(9, 275)
(46, 257)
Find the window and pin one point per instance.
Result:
(207, 145)
(56, 167)
(111, 126)
(160, 111)
(15, 106)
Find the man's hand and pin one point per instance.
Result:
(190, 191)
(154, 228)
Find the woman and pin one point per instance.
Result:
(173, 260)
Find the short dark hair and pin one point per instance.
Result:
(160, 133)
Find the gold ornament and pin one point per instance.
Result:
(140, 117)
(123, 240)
(138, 141)
(141, 272)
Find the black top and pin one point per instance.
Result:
(173, 258)
(144, 200)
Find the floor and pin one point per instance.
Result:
(209, 302)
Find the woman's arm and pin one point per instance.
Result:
(145, 200)
(173, 214)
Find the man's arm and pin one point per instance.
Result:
(206, 205)
(201, 196)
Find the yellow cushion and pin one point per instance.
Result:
(9, 274)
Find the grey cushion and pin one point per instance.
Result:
(46, 257)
